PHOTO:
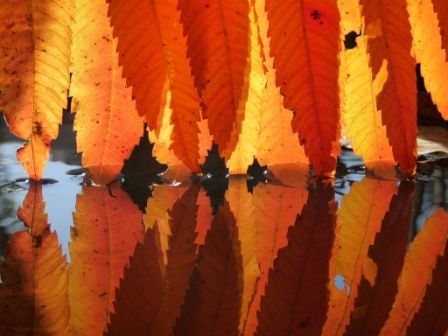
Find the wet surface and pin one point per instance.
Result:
(222, 256)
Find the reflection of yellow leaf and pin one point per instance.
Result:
(34, 277)
(359, 220)
(417, 273)
(107, 228)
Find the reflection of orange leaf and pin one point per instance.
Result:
(389, 44)
(212, 304)
(33, 290)
(431, 317)
(107, 125)
(153, 53)
(305, 45)
(375, 299)
(34, 74)
(417, 272)
(359, 220)
(296, 296)
(218, 43)
(107, 228)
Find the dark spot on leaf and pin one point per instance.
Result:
(315, 14)
(350, 40)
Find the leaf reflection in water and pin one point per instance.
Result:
(281, 260)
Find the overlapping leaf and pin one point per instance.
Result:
(218, 44)
(107, 125)
(305, 45)
(427, 45)
(154, 56)
(362, 121)
(107, 228)
(389, 44)
(441, 9)
(35, 40)
(34, 288)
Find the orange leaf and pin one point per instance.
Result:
(417, 272)
(362, 121)
(441, 9)
(389, 45)
(35, 41)
(266, 130)
(153, 53)
(218, 44)
(296, 296)
(305, 45)
(107, 125)
(427, 45)
(375, 299)
(34, 286)
(213, 300)
(359, 220)
(107, 228)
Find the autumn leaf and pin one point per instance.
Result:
(34, 287)
(433, 60)
(389, 44)
(376, 295)
(213, 300)
(362, 120)
(266, 129)
(107, 124)
(430, 318)
(154, 56)
(296, 296)
(359, 219)
(107, 228)
(417, 272)
(305, 44)
(218, 45)
(441, 9)
(35, 40)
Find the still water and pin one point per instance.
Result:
(354, 255)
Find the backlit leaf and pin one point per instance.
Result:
(358, 221)
(441, 9)
(35, 41)
(154, 56)
(428, 51)
(218, 44)
(34, 286)
(107, 124)
(389, 45)
(360, 116)
(107, 228)
(417, 272)
(305, 44)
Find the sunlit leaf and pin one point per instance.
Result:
(213, 301)
(359, 220)
(153, 53)
(266, 130)
(441, 9)
(107, 124)
(305, 45)
(389, 45)
(107, 228)
(218, 44)
(34, 286)
(375, 298)
(362, 121)
(35, 41)
(296, 296)
(417, 272)
(428, 50)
